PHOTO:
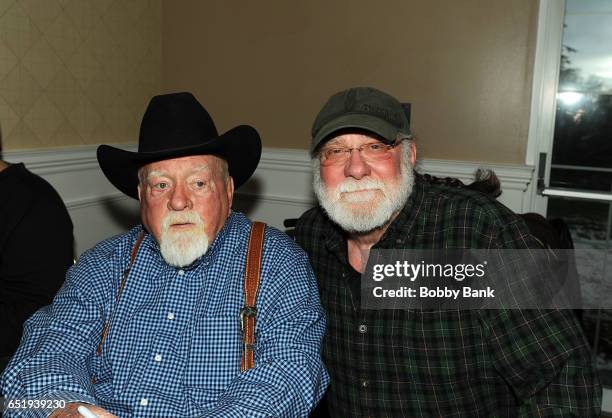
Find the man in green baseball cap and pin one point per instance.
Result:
(417, 362)
(361, 108)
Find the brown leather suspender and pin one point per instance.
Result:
(106, 328)
(251, 285)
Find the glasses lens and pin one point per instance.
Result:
(375, 151)
(335, 154)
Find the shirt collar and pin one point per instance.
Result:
(400, 229)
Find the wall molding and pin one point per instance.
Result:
(516, 179)
(94, 201)
(49, 163)
(271, 198)
(279, 189)
(294, 160)
(55, 160)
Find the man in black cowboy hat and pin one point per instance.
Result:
(149, 322)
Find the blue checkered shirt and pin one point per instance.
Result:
(174, 345)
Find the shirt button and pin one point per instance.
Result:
(158, 357)
(181, 272)
(170, 316)
(363, 328)
(144, 402)
(364, 384)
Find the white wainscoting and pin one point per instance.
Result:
(280, 188)
(516, 180)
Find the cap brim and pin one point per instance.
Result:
(370, 123)
(240, 147)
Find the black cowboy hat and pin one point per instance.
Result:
(177, 125)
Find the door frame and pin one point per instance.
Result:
(545, 83)
(547, 62)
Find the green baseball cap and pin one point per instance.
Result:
(361, 108)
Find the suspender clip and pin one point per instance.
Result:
(246, 312)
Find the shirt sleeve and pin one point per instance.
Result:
(289, 378)
(52, 360)
(542, 353)
(544, 358)
(36, 254)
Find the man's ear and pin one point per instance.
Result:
(139, 193)
(229, 189)
(412, 146)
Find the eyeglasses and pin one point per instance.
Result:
(372, 151)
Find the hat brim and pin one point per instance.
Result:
(358, 121)
(240, 147)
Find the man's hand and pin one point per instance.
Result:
(70, 411)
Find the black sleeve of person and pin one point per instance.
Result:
(36, 249)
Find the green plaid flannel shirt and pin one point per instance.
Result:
(451, 363)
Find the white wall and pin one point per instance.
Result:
(279, 189)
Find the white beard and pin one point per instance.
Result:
(181, 248)
(366, 211)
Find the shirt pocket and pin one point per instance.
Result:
(214, 353)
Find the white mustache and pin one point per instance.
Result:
(352, 185)
(181, 218)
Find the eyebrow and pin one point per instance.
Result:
(196, 169)
(202, 167)
(340, 144)
(154, 173)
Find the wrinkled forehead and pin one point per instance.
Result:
(340, 136)
(192, 164)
